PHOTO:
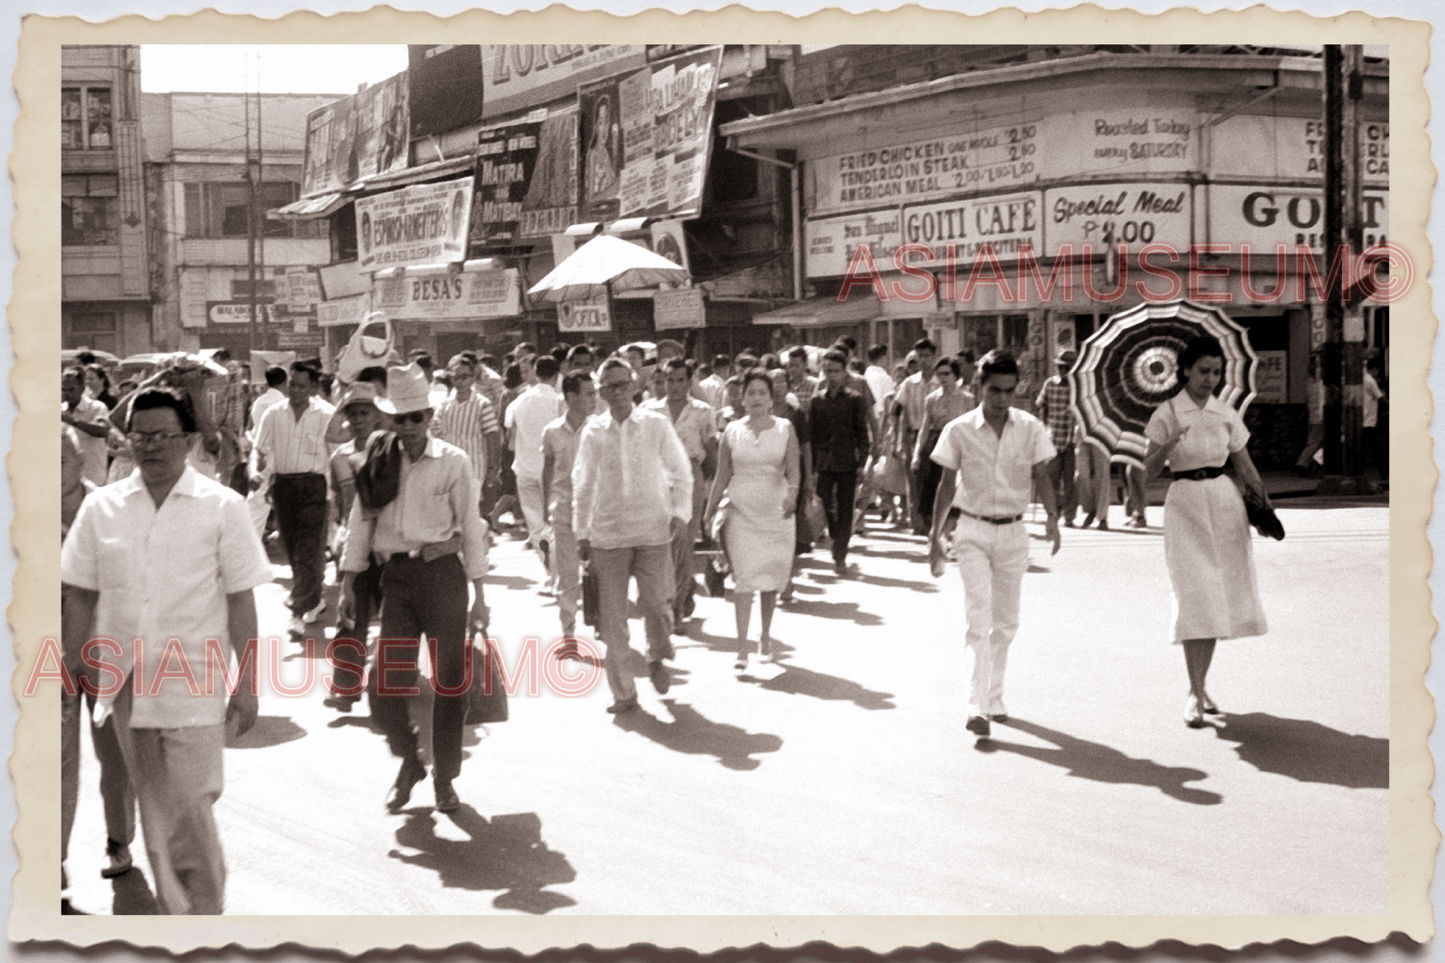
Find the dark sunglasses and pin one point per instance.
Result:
(415, 417)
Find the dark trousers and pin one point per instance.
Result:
(1374, 439)
(837, 489)
(348, 653)
(423, 598)
(300, 503)
(1066, 492)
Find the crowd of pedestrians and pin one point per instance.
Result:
(619, 468)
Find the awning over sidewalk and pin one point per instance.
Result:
(310, 208)
(821, 312)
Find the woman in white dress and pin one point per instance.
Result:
(1206, 532)
(758, 472)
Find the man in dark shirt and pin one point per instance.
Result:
(838, 420)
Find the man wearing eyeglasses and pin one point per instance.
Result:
(631, 497)
(417, 536)
(168, 557)
(291, 441)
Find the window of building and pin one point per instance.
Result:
(86, 120)
(89, 209)
(93, 329)
(733, 176)
(219, 209)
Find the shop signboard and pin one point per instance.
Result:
(450, 297)
(1003, 223)
(526, 179)
(682, 308)
(587, 317)
(829, 243)
(298, 288)
(1271, 378)
(1263, 216)
(342, 311)
(645, 138)
(297, 339)
(421, 224)
(237, 312)
(444, 82)
(356, 137)
(519, 75)
(1266, 146)
(1106, 215)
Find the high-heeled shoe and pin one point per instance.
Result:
(1193, 713)
(1207, 704)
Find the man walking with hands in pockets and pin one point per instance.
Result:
(999, 454)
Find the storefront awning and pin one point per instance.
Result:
(420, 173)
(821, 312)
(310, 208)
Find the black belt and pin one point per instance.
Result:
(301, 474)
(995, 519)
(1198, 474)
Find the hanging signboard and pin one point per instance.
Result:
(588, 316)
(645, 138)
(829, 243)
(342, 311)
(1271, 378)
(1105, 215)
(421, 224)
(682, 308)
(520, 74)
(357, 137)
(526, 179)
(450, 297)
(298, 288)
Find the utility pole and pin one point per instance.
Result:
(250, 218)
(1343, 355)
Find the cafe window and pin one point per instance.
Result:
(86, 119)
(985, 332)
(220, 210)
(89, 209)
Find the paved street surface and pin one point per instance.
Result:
(842, 780)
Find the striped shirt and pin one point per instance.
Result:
(466, 424)
(296, 446)
(1053, 410)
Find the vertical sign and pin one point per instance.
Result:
(526, 179)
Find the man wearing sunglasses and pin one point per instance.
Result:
(431, 541)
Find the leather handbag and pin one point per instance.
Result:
(487, 700)
(1261, 516)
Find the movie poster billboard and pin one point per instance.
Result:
(356, 137)
(526, 179)
(645, 138)
(421, 224)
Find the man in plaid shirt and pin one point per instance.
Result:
(1052, 407)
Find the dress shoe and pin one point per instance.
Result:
(117, 856)
(623, 705)
(661, 681)
(1193, 713)
(977, 725)
(411, 773)
(1103, 524)
(446, 796)
(341, 703)
(296, 628)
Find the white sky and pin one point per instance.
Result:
(282, 68)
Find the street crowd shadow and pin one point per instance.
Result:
(513, 583)
(505, 853)
(267, 732)
(1308, 751)
(692, 733)
(847, 611)
(132, 896)
(1101, 763)
(915, 585)
(796, 680)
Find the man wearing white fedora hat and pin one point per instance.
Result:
(431, 541)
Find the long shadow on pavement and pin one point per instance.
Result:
(1308, 751)
(796, 680)
(1100, 763)
(132, 895)
(691, 732)
(506, 853)
(267, 732)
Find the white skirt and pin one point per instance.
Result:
(1211, 562)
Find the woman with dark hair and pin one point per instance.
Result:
(97, 385)
(1206, 531)
(758, 472)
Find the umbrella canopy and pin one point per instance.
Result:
(606, 264)
(1129, 367)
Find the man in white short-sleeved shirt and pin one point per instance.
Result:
(164, 563)
(998, 454)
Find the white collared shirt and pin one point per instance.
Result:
(629, 480)
(164, 573)
(437, 499)
(1215, 430)
(534, 409)
(292, 445)
(995, 472)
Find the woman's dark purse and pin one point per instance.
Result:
(1261, 516)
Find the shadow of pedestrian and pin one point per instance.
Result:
(1101, 763)
(848, 611)
(132, 895)
(514, 583)
(506, 853)
(1308, 751)
(799, 681)
(267, 732)
(881, 582)
(692, 733)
